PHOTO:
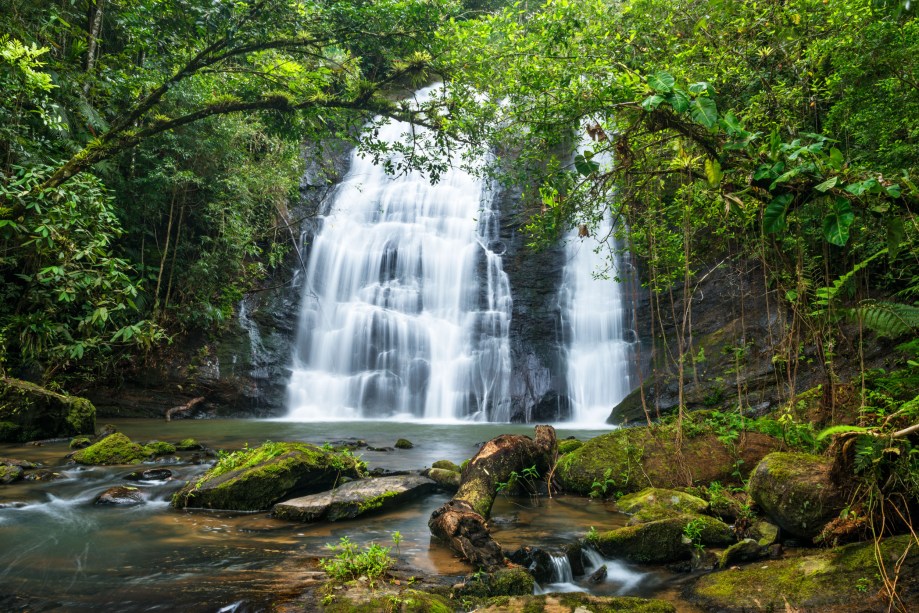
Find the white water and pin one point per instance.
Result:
(618, 577)
(599, 347)
(405, 309)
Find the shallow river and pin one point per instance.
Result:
(59, 552)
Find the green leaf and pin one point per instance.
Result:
(679, 101)
(836, 158)
(584, 166)
(774, 215)
(713, 172)
(894, 191)
(704, 111)
(697, 88)
(791, 296)
(652, 102)
(895, 234)
(827, 185)
(662, 82)
(731, 124)
(836, 224)
(840, 430)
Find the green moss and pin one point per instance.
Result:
(158, 448)
(408, 601)
(846, 576)
(581, 468)
(652, 504)
(254, 479)
(82, 414)
(9, 432)
(404, 443)
(447, 479)
(188, 444)
(575, 602)
(113, 449)
(464, 464)
(374, 503)
(513, 581)
(8, 473)
(568, 445)
(537, 604)
(446, 465)
(30, 411)
(80, 442)
(660, 541)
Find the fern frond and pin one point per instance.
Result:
(890, 319)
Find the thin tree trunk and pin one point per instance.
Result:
(159, 276)
(95, 28)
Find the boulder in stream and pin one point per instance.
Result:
(651, 504)
(29, 412)
(447, 479)
(255, 479)
(10, 473)
(113, 449)
(355, 498)
(120, 495)
(404, 443)
(797, 492)
(153, 474)
(661, 541)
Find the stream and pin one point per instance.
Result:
(61, 552)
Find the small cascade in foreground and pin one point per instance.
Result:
(594, 319)
(405, 309)
(561, 569)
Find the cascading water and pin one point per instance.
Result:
(405, 309)
(599, 352)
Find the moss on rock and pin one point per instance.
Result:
(630, 459)
(847, 577)
(188, 444)
(446, 465)
(254, 479)
(80, 442)
(651, 504)
(9, 474)
(568, 445)
(113, 449)
(158, 448)
(661, 541)
(404, 443)
(576, 601)
(407, 601)
(29, 411)
(446, 479)
(797, 492)
(514, 581)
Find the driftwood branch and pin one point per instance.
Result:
(462, 522)
(183, 408)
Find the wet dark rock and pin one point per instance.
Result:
(42, 474)
(10, 474)
(80, 442)
(267, 474)
(153, 474)
(703, 559)
(380, 449)
(575, 554)
(106, 430)
(797, 491)
(537, 562)
(403, 443)
(598, 576)
(29, 412)
(661, 541)
(387, 472)
(20, 463)
(746, 550)
(120, 495)
(355, 498)
(348, 444)
(447, 465)
(189, 444)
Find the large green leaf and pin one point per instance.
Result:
(774, 215)
(585, 166)
(652, 102)
(662, 82)
(704, 111)
(836, 224)
(679, 101)
(895, 234)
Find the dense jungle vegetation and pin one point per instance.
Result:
(151, 152)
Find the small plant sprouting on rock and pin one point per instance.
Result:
(598, 488)
(351, 562)
(693, 532)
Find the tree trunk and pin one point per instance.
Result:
(95, 28)
(462, 522)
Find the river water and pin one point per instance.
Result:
(59, 552)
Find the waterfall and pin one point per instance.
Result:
(594, 315)
(561, 570)
(405, 308)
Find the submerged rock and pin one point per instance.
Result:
(355, 498)
(154, 474)
(255, 479)
(113, 449)
(120, 495)
(42, 474)
(661, 541)
(797, 491)
(846, 577)
(653, 503)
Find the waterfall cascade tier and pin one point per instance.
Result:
(594, 319)
(405, 309)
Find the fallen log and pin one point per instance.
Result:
(462, 522)
(183, 408)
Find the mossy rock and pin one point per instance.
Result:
(575, 601)
(631, 459)
(514, 581)
(660, 541)
(447, 465)
(797, 492)
(846, 577)
(651, 504)
(159, 448)
(766, 533)
(404, 443)
(407, 601)
(568, 445)
(113, 449)
(189, 444)
(29, 411)
(746, 550)
(447, 479)
(255, 479)
(9, 474)
(80, 442)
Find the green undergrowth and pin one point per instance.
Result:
(729, 425)
(353, 562)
